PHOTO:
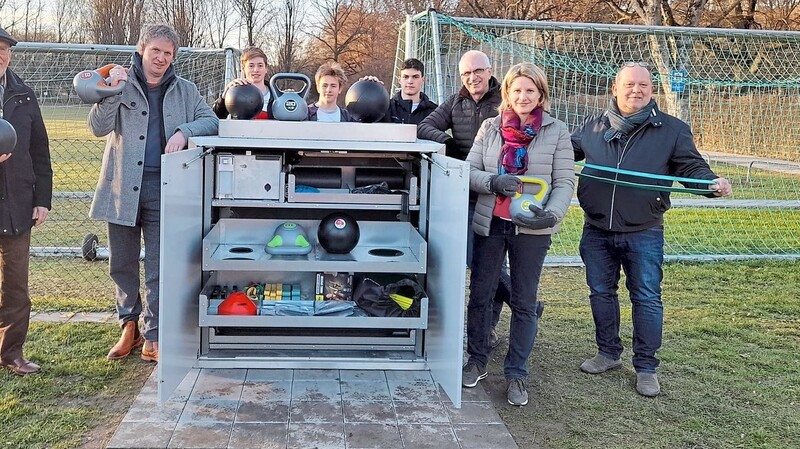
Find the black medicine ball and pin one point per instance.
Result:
(338, 233)
(244, 102)
(8, 137)
(367, 101)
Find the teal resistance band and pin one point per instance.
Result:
(645, 175)
(637, 185)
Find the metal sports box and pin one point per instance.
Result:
(251, 177)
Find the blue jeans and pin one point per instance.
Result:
(503, 292)
(526, 255)
(641, 255)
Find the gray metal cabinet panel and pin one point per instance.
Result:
(447, 254)
(180, 278)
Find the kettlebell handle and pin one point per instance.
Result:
(93, 85)
(534, 180)
(289, 76)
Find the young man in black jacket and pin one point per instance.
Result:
(410, 105)
(26, 189)
(624, 226)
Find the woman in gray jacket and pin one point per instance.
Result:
(523, 140)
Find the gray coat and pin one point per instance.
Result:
(124, 116)
(550, 157)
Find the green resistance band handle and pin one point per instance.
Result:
(534, 180)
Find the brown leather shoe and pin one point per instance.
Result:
(150, 351)
(22, 366)
(131, 338)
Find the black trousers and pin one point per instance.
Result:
(15, 301)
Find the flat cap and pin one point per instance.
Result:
(4, 36)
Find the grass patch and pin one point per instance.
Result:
(730, 373)
(78, 399)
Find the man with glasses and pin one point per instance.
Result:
(26, 188)
(624, 226)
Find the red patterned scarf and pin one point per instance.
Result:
(513, 157)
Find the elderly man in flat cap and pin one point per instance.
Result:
(26, 188)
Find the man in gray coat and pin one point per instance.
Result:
(156, 113)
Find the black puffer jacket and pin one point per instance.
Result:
(400, 110)
(26, 179)
(463, 116)
(662, 145)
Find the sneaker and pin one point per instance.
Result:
(494, 340)
(599, 364)
(539, 309)
(516, 392)
(472, 373)
(647, 384)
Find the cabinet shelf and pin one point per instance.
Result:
(239, 245)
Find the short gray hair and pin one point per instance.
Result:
(157, 31)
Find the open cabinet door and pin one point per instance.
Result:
(447, 254)
(180, 269)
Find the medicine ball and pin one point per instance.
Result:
(367, 101)
(338, 233)
(8, 137)
(244, 102)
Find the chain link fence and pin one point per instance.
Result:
(739, 90)
(62, 246)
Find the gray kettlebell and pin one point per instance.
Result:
(289, 106)
(92, 85)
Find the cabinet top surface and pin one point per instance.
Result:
(266, 143)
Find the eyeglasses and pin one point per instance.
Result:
(635, 64)
(477, 72)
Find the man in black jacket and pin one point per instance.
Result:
(624, 226)
(410, 105)
(26, 188)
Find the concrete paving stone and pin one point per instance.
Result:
(424, 391)
(168, 412)
(184, 390)
(201, 435)
(377, 412)
(316, 374)
(209, 410)
(263, 412)
(54, 317)
(413, 412)
(477, 394)
(141, 435)
(279, 390)
(91, 317)
(365, 391)
(372, 436)
(428, 436)
(473, 413)
(259, 436)
(484, 436)
(316, 390)
(261, 375)
(408, 376)
(351, 375)
(316, 412)
(317, 436)
(221, 384)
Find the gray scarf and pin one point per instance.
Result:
(620, 125)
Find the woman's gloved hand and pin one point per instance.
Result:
(506, 185)
(542, 218)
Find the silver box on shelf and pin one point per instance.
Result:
(249, 177)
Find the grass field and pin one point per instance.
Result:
(730, 373)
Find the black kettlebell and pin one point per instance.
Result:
(244, 101)
(8, 137)
(287, 105)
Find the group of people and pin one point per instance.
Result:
(503, 129)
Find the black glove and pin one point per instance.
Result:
(542, 218)
(451, 148)
(506, 185)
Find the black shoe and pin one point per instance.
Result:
(539, 309)
(494, 340)
(471, 374)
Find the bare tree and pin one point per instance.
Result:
(184, 16)
(288, 24)
(340, 32)
(256, 16)
(116, 21)
(219, 21)
(67, 16)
